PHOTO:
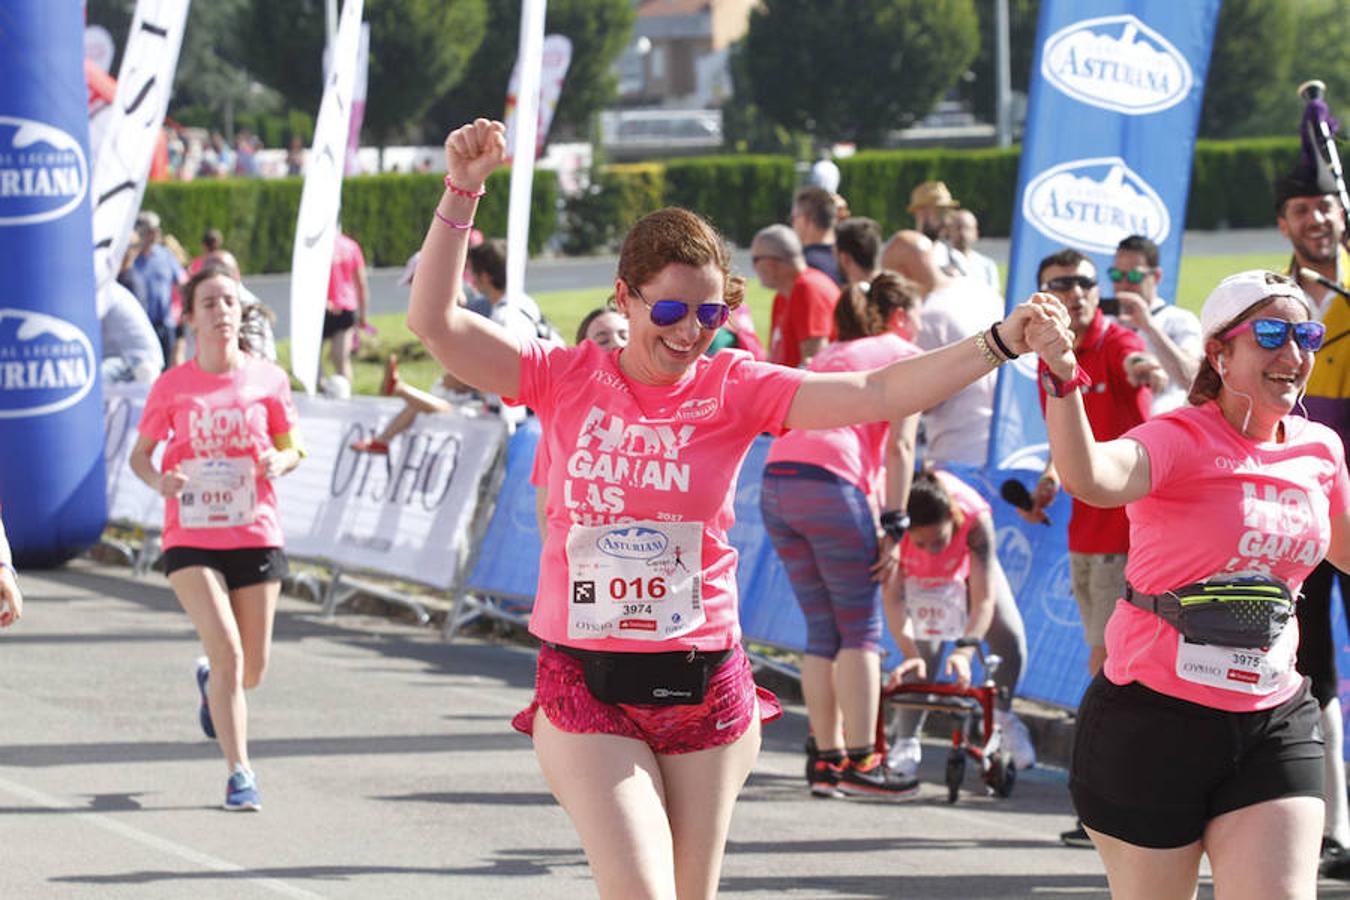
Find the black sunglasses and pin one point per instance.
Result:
(1069, 282)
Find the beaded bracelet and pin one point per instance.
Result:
(455, 189)
(1003, 348)
(458, 226)
(990, 356)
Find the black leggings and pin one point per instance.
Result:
(1316, 647)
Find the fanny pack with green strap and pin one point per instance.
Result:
(1245, 610)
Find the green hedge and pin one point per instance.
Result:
(738, 194)
(1231, 186)
(387, 214)
(595, 219)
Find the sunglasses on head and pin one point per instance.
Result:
(1133, 276)
(1069, 282)
(1271, 334)
(667, 312)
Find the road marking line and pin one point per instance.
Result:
(154, 842)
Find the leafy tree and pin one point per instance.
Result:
(209, 74)
(856, 69)
(598, 30)
(418, 49)
(1249, 69)
(1023, 16)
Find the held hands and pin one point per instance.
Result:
(172, 482)
(474, 151)
(11, 600)
(1049, 336)
(1016, 329)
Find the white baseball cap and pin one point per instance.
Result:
(1238, 293)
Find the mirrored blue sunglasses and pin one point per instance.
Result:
(667, 312)
(1271, 334)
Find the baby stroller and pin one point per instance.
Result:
(974, 733)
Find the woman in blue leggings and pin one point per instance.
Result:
(818, 498)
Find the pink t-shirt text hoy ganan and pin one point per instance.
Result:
(1220, 502)
(231, 414)
(622, 451)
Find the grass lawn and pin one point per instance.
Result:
(565, 309)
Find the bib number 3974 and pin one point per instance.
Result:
(635, 580)
(220, 493)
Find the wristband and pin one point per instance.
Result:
(455, 189)
(1056, 387)
(894, 523)
(458, 226)
(989, 355)
(998, 341)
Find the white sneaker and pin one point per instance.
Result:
(1017, 738)
(904, 757)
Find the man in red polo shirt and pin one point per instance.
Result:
(1116, 398)
(803, 307)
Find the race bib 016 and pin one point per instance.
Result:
(220, 492)
(636, 580)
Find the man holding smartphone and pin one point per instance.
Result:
(1171, 334)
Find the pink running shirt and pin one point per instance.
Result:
(1220, 502)
(856, 453)
(347, 262)
(953, 563)
(231, 414)
(623, 451)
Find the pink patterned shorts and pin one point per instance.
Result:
(728, 707)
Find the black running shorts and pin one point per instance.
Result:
(1153, 770)
(335, 322)
(240, 568)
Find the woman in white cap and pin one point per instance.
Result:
(1198, 736)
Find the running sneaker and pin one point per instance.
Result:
(871, 777)
(904, 757)
(204, 711)
(1076, 837)
(241, 791)
(1335, 861)
(1017, 737)
(824, 778)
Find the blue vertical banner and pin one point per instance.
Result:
(51, 416)
(1114, 103)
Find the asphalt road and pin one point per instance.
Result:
(597, 272)
(388, 769)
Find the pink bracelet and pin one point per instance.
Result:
(458, 226)
(472, 195)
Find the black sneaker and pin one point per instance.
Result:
(824, 778)
(1335, 860)
(1076, 837)
(871, 777)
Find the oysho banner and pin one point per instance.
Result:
(1115, 98)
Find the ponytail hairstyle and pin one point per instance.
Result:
(929, 502)
(865, 308)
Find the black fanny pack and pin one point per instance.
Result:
(1244, 611)
(647, 679)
